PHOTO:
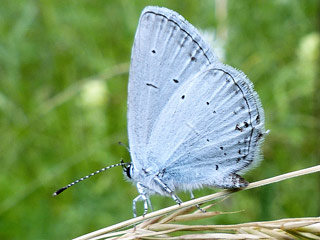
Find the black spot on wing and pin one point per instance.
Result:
(238, 128)
(258, 119)
(151, 85)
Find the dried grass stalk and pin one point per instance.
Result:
(157, 226)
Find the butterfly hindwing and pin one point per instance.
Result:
(213, 124)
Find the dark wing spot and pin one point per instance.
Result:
(258, 119)
(175, 80)
(208, 140)
(217, 167)
(183, 96)
(151, 85)
(225, 154)
(193, 59)
(208, 103)
(260, 135)
(234, 112)
(246, 124)
(221, 148)
(214, 112)
(238, 128)
(153, 51)
(239, 151)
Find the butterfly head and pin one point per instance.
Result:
(128, 170)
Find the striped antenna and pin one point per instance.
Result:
(90, 175)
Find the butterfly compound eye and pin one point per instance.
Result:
(127, 170)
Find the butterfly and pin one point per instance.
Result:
(193, 121)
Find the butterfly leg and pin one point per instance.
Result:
(150, 205)
(198, 206)
(142, 197)
(168, 190)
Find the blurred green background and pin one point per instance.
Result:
(63, 87)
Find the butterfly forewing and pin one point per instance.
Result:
(167, 52)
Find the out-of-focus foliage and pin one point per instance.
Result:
(63, 107)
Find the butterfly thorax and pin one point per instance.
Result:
(147, 178)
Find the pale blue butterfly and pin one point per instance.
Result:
(193, 122)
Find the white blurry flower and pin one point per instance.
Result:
(94, 93)
(307, 64)
(309, 48)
